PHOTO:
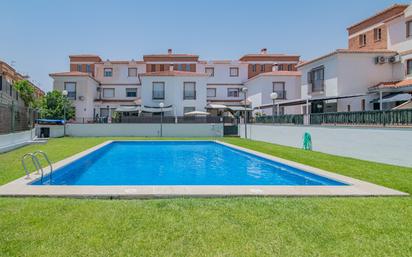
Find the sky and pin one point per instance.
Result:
(38, 36)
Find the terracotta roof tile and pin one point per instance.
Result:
(174, 73)
(347, 51)
(73, 74)
(393, 84)
(383, 14)
(69, 73)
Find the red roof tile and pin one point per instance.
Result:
(348, 51)
(70, 73)
(393, 84)
(174, 73)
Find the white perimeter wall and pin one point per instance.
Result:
(145, 130)
(12, 141)
(386, 145)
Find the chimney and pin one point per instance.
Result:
(169, 51)
(263, 51)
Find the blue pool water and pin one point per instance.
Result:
(178, 163)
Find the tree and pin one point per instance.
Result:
(52, 106)
(26, 91)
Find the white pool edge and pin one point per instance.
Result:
(355, 187)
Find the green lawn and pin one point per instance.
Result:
(317, 226)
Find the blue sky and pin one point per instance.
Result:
(37, 36)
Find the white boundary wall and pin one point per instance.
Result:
(386, 145)
(144, 130)
(12, 141)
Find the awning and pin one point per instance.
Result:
(197, 113)
(393, 98)
(304, 101)
(157, 109)
(127, 109)
(239, 108)
(216, 106)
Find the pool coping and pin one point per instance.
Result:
(21, 187)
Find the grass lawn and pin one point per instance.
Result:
(317, 226)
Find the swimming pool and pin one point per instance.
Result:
(179, 163)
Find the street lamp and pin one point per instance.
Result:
(161, 105)
(64, 93)
(273, 96)
(244, 91)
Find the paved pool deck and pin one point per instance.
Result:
(22, 188)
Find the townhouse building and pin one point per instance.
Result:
(374, 73)
(182, 82)
(8, 76)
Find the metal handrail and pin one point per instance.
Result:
(35, 162)
(48, 161)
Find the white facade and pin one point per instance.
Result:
(348, 74)
(261, 86)
(128, 83)
(85, 95)
(174, 93)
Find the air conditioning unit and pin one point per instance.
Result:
(395, 58)
(380, 59)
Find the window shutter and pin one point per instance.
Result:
(309, 77)
(310, 82)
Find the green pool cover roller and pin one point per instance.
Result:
(307, 141)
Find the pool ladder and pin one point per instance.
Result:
(37, 164)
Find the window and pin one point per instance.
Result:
(108, 72)
(11, 89)
(108, 92)
(132, 72)
(88, 68)
(158, 90)
(1, 83)
(279, 88)
(70, 87)
(180, 67)
(131, 92)
(211, 92)
(210, 71)
(162, 67)
(377, 34)
(362, 40)
(233, 92)
(316, 79)
(187, 67)
(280, 67)
(234, 71)
(348, 107)
(363, 104)
(262, 68)
(290, 67)
(409, 67)
(409, 28)
(79, 67)
(254, 67)
(153, 67)
(189, 91)
(188, 109)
